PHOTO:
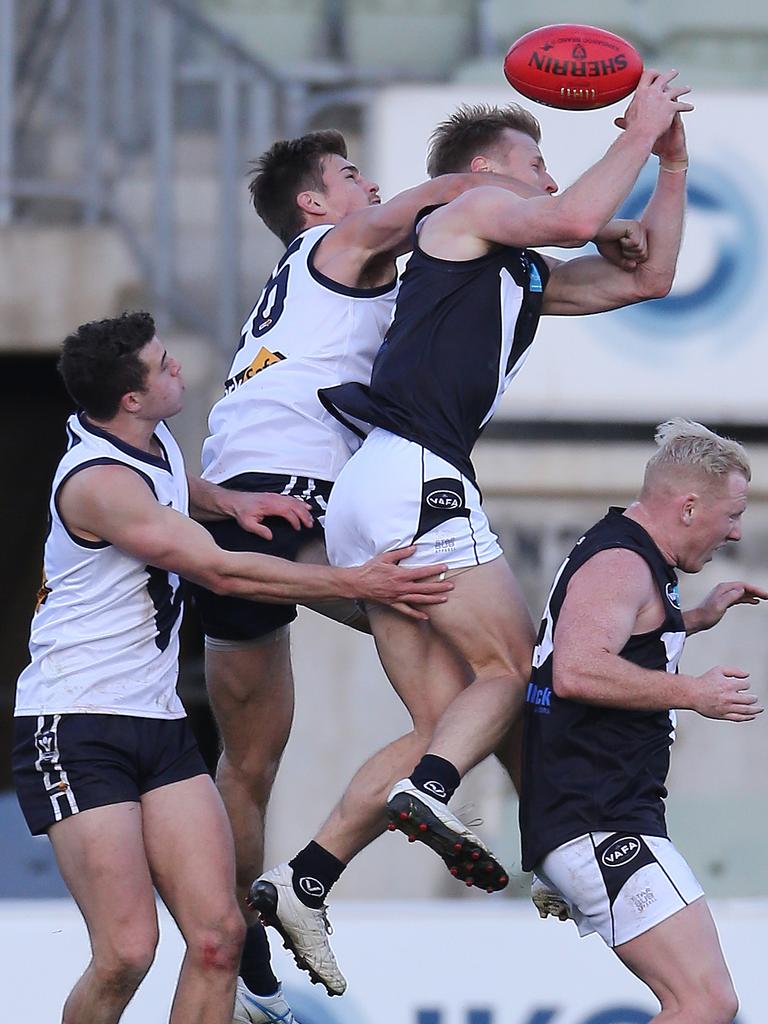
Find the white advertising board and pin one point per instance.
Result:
(702, 351)
(439, 962)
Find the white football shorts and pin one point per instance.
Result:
(619, 884)
(393, 493)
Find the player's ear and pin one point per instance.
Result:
(131, 402)
(688, 508)
(479, 164)
(310, 201)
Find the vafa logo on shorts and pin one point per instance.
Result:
(621, 852)
(443, 499)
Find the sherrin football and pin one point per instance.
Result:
(574, 67)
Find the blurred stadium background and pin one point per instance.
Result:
(126, 131)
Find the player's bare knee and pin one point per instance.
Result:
(254, 770)
(712, 1001)
(123, 967)
(507, 686)
(719, 1002)
(216, 948)
(424, 725)
(499, 660)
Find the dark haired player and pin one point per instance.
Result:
(319, 320)
(467, 311)
(600, 720)
(104, 760)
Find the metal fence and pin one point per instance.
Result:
(112, 83)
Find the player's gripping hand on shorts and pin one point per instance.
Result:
(547, 902)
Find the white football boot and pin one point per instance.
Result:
(304, 930)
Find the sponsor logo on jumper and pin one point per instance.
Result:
(578, 68)
(261, 361)
(621, 852)
(444, 545)
(435, 787)
(673, 594)
(42, 593)
(539, 696)
(443, 499)
(311, 886)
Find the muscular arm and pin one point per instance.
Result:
(611, 597)
(381, 233)
(478, 219)
(592, 284)
(114, 504)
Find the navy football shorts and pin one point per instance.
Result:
(63, 764)
(236, 618)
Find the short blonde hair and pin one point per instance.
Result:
(687, 445)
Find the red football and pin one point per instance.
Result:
(575, 67)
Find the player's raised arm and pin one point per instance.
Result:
(593, 284)
(114, 504)
(576, 215)
(387, 228)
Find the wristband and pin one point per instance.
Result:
(673, 166)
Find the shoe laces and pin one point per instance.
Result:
(326, 923)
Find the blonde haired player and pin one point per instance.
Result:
(600, 721)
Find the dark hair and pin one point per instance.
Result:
(287, 168)
(474, 127)
(100, 363)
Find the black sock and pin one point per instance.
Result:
(436, 776)
(315, 870)
(255, 962)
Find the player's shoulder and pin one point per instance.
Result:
(616, 573)
(104, 480)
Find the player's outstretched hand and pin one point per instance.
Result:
(623, 243)
(655, 103)
(724, 694)
(719, 600)
(383, 581)
(547, 902)
(250, 510)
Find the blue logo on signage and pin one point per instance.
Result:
(718, 276)
(609, 1015)
(312, 1009)
(612, 1015)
